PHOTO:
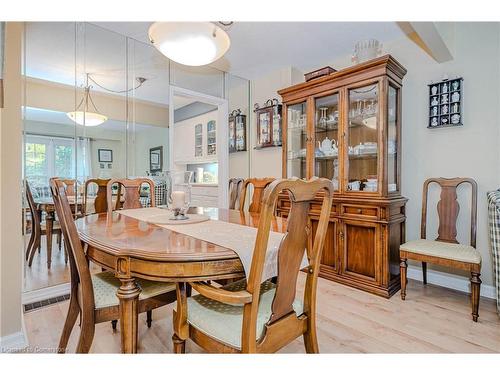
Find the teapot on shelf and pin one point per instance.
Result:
(328, 146)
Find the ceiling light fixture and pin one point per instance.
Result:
(84, 116)
(190, 43)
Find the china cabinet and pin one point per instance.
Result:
(347, 127)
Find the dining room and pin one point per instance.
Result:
(244, 186)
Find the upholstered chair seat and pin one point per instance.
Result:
(445, 250)
(223, 322)
(106, 284)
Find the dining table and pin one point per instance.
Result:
(133, 248)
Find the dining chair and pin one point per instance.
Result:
(38, 228)
(254, 317)
(131, 190)
(445, 250)
(93, 296)
(235, 186)
(100, 200)
(258, 184)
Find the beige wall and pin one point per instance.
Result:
(10, 187)
(267, 162)
(62, 98)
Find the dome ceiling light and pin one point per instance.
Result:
(86, 112)
(190, 43)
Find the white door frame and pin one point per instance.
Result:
(221, 131)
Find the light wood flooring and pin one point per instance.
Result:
(39, 276)
(431, 320)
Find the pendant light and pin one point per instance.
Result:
(88, 115)
(190, 43)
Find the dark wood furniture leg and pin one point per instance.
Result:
(403, 266)
(128, 294)
(149, 318)
(424, 272)
(475, 289)
(49, 220)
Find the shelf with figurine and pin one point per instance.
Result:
(445, 103)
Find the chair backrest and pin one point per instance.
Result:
(32, 206)
(100, 201)
(235, 186)
(70, 185)
(448, 209)
(131, 193)
(259, 184)
(81, 282)
(295, 243)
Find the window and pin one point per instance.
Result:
(46, 157)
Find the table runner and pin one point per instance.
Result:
(239, 238)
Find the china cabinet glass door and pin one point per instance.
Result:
(211, 138)
(362, 138)
(392, 141)
(198, 140)
(326, 132)
(296, 140)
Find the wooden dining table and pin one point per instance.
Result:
(137, 249)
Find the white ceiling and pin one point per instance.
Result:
(256, 48)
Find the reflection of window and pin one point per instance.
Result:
(47, 157)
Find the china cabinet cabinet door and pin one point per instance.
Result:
(198, 140)
(326, 137)
(296, 141)
(393, 139)
(362, 146)
(329, 257)
(211, 138)
(360, 243)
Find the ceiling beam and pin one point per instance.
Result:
(427, 36)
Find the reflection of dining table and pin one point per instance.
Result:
(134, 248)
(46, 204)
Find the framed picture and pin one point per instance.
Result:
(105, 155)
(156, 159)
(268, 124)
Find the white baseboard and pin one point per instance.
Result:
(450, 281)
(45, 293)
(16, 341)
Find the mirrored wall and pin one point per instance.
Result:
(96, 106)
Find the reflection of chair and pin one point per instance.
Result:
(250, 316)
(259, 184)
(445, 250)
(131, 190)
(38, 228)
(100, 200)
(93, 297)
(235, 186)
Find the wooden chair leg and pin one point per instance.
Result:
(179, 345)
(149, 317)
(87, 331)
(403, 266)
(310, 337)
(59, 240)
(73, 311)
(113, 324)
(475, 289)
(30, 244)
(424, 272)
(36, 246)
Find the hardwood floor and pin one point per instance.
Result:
(39, 276)
(431, 320)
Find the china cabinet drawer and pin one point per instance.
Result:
(367, 211)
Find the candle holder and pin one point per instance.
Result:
(179, 193)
